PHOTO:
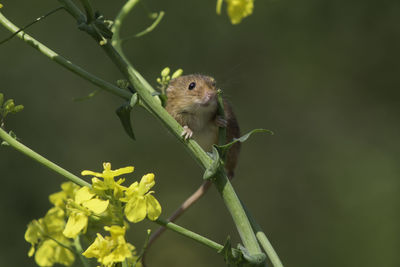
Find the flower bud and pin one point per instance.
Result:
(9, 105)
(165, 72)
(177, 73)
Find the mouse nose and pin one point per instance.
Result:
(209, 96)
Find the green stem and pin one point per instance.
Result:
(116, 41)
(147, 30)
(63, 61)
(89, 10)
(33, 155)
(79, 251)
(116, 29)
(222, 182)
(262, 238)
(201, 239)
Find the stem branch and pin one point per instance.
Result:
(63, 61)
(189, 234)
(42, 160)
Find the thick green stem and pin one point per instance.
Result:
(190, 234)
(222, 182)
(42, 160)
(62, 61)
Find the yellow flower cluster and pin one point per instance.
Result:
(111, 249)
(49, 244)
(76, 209)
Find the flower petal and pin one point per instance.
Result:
(135, 209)
(153, 207)
(83, 194)
(86, 172)
(77, 222)
(96, 205)
(44, 254)
(146, 183)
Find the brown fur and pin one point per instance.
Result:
(186, 107)
(183, 105)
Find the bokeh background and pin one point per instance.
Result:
(323, 75)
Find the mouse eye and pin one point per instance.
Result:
(192, 85)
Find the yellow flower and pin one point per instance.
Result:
(109, 183)
(237, 9)
(1, 5)
(111, 249)
(45, 236)
(84, 205)
(51, 252)
(59, 199)
(140, 202)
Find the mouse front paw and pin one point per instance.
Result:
(187, 133)
(221, 122)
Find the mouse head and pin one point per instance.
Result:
(193, 94)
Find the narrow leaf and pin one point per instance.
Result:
(223, 149)
(124, 114)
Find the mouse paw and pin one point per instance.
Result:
(187, 133)
(221, 122)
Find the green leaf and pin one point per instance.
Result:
(224, 148)
(232, 257)
(13, 135)
(215, 166)
(124, 114)
(123, 84)
(4, 143)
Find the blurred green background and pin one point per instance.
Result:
(323, 75)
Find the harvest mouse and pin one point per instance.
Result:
(192, 101)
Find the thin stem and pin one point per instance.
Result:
(148, 29)
(116, 40)
(79, 251)
(63, 61)
(264, 242)
(89, 10)
(42, 160)
(116, 29)
(180, 230)
(30, 24)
